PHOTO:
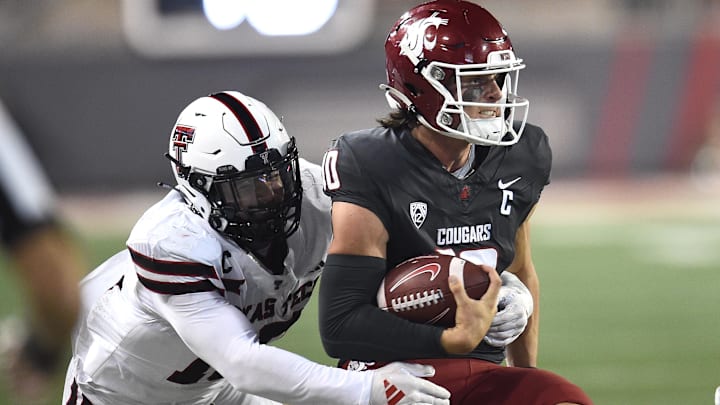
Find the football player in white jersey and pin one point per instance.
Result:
(222, 265)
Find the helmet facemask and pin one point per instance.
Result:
(432, 50)
(261, 203)
(461, 87)
(237, 167)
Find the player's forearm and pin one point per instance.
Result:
(352, 327)
(302, 381)
(523, 352)
(221, 336)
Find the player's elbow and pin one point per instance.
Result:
(338, 332)
(332, 348)
(330, 333)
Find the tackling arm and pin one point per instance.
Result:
(222, 336)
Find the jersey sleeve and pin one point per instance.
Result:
(176, 256)
(348, 180)
(543, 161)
(545, 156)
(313, 187)
(222, 336)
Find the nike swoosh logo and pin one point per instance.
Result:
(432, 268)
(503, 186)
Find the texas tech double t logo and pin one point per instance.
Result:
(182, 136)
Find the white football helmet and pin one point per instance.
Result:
(237, 167)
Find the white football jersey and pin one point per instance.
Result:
(182, 315)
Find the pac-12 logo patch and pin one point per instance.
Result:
(418, 213)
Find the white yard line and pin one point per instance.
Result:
(598, 201)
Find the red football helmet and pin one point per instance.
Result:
(434, 50)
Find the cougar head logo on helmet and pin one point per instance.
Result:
(237, 167)
(439, 57)
(415, 40)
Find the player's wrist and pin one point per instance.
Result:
(453, 341)
(368, 382)
(521, 360)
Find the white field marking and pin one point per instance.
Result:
(675, 243)
(102, 213)
(584, 201)
(680, 245)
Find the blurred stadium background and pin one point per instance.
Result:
(627, 238)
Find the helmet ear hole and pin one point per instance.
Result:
(217, 222)
(198, 181)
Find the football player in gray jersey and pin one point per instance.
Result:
(222, 265)
(454, 169)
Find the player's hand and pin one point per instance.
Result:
(472, 317)
(400, 384)
(515, 305)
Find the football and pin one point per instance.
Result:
(418, 289)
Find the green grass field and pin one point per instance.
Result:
(630, 304)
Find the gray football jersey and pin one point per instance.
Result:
(426, 209)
